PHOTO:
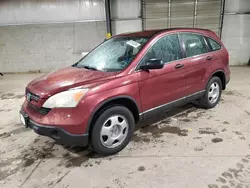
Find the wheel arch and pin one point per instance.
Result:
(124, 100)
(221, 74)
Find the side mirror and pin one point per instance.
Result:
(153, 64)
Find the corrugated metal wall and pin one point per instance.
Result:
(159, 14)
(209, 14)
(182, 13)
(126, 16)
(155, 14)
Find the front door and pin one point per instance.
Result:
(160, 87)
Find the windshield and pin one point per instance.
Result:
(113, 55)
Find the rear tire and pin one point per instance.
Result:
(112, 130)
(212, 94)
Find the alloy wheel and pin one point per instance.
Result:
(214, 92)
(114, 131)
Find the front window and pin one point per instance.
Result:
(113, 55)
(166, 49)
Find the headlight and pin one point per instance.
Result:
(64, 99)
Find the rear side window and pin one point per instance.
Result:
(213, 44)
(194, 44)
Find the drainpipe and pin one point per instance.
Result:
(222, 16)
(108, 19)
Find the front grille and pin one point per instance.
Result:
(42, 110)
(31, 96)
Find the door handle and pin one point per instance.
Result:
(209, 57)
(179, 66)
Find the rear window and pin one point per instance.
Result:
(213, 44)
(194, 44)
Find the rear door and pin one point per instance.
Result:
(197, 61)
(163, 86)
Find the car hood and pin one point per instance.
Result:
(61, 80)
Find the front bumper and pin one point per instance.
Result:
(56, 133)
(71, 120)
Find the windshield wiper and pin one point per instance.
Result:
(89, 67)
(74, 65)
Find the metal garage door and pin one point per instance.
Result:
(155, 14)
(160, 14)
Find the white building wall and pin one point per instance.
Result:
(45, 47)
(236, 31)
(40, 35)
(124, 26)
(50, 11)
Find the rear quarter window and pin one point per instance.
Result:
(214, 45)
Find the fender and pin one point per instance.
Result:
(218, 70)
(105, 102)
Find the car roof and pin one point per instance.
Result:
(150, 33)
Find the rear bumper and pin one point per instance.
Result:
(57, 133)
(227, 74)
(227, 81)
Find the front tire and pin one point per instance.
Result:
(212, 94)
(112, 130)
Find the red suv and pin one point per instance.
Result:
(125, 79)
